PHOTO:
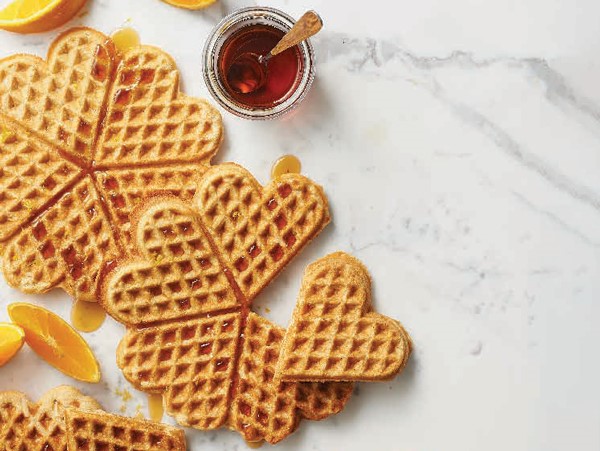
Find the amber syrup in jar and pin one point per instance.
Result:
(281, 74)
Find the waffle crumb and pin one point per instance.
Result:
(125, 396)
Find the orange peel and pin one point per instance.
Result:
(36, 16)
(12, 338)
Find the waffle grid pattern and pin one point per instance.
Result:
(190, 362)
(265, 409)
(124, 189)
(54, 118)
(59, 100)
(334, 335)
(148, 119)
(39, 426)
(98, 431)
(65, 420)
(179, 277)
(211, 377)
(76, 221)
(31, 173)
(256, 230)
(262, 409)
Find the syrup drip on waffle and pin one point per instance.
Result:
(87, 316)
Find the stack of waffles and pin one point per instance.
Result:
(66, 420)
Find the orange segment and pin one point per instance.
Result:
(190, 4)
(55, 341)
(11, 340)
(35, 16)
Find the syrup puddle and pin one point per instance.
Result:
(155, 407)
(87, 316)
(255, 445)
(125, 38)
(288, 164)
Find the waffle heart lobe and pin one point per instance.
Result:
(174, 273)
(258, 230)
(61, 99)
(148, 119)
(41, 425)
(334, 334)
(97, 430)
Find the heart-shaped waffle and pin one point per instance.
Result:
(265, 409)
(148, 119)
(66, 420)
(97, 431)
(60, 100)
(212, 373)
(175, 274)
(259, 230)
(334, 334)
(40, 426)
(190, 334)
(84, 136)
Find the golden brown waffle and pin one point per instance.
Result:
(64, 245)
(97, 431)
(190, 335)
(31, 174)
(84, 136)
(259, 230)
(263, 409)
(149, 120)
(125, 188)
(334, 335)
(61, 100)
(40, 426)
(176, 276)
(64, 419)
(191, 363)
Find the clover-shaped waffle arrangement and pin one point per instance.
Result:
(84, 136)
(64, 419)
(185, 299)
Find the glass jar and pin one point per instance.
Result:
(214, 76)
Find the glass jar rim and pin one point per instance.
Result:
(232, 23)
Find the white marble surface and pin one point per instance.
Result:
(459, 144)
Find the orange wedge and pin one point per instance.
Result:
(55, 341)
(35, 16)
(11, 340)
(190, 4)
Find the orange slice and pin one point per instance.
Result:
(35, 16)
(11, 340)
(55, 341)
(190, 4)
